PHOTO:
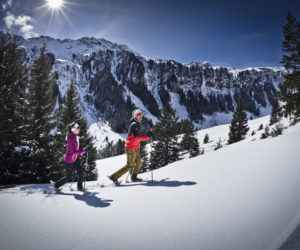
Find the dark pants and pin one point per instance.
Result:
(70, 167)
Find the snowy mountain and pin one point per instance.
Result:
(242, 196)
(111, 80)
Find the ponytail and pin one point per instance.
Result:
(69, 128)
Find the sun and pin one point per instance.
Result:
(57, 10)
(55, 4)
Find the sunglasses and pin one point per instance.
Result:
(75, 126)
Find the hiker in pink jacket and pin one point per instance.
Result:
(72, 157)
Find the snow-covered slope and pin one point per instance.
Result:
(243, 196)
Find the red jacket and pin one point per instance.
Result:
(134, 138)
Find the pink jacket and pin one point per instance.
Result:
(72, 149)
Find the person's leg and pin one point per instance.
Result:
(67, 178)
(79, 171)
(130, 160)
(138, 165)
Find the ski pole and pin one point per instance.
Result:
(150, 156)
(85, 171)
(129, 172)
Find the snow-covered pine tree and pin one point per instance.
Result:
(145, 157)
(156, 155)
(239, 124)
(43, 119)
(290, 88)
(14, 161)
(166, 148)
(195, 147)
(276, 113)
(206, 138)
(266, 133)
(218, 145)
(189, 142)
(71, 112)
(120, 147)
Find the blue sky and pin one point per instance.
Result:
(228, 33)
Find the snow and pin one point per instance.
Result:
(180, 109)
(243, 196)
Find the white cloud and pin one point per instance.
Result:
(23, 23)
(22, 20)
(7, 4)
(9, 20)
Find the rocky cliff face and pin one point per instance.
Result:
(111, 80)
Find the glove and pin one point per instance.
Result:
(82, 151)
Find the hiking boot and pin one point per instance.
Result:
(134, 178)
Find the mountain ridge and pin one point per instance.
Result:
(111, 80)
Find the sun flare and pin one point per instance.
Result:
(55, 4)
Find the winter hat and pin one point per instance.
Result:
(136, 112)
(74, 126)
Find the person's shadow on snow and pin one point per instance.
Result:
(90, 199)
(162, 183)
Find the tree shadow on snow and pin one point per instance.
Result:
(162, 183)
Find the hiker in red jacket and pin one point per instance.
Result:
(132, 146)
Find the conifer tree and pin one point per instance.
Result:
(195, 147)
(206, 138)
(156, 155)
(43, 119)
(218, 145)
(290, 88)
(239, 124)
(275, 114)
(145, 157)
(189, 142)
(14, 153)
(120, 147)
(166, 148)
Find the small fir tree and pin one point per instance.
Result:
(206, 138)
(218, 145)
(189, 142)
(120, 147)
(145, 157)
(276, 113)
(239, 124)
(166, 149)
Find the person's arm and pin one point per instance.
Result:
(73, 146)
(134, 131)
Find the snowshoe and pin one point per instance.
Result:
(116, 182)
(56, 189)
